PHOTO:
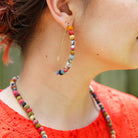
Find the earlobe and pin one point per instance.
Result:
(60, 11)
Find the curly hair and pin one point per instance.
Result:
(17, 21)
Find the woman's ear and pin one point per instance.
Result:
(61, 10)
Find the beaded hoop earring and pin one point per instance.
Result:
(72, 53)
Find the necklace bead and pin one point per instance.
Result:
(32, 117)
(18, 98)
(44, 136)
(36, 123)
(40, 129)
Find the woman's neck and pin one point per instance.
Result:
(57, 104)
(58, 101)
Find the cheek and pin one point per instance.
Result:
(111, 27)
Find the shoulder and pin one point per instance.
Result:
(12, 124)
(121, 106)
(113, 93)
(116, 96)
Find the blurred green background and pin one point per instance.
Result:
(123, 80)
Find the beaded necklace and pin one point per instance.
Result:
(36, 123)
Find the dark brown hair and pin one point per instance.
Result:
(17, 21)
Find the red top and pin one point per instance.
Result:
(121, 107)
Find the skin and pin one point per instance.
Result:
(105, 34)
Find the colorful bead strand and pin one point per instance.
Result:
(104, 112)
(36, 123)
(26, 107)
(72, 53)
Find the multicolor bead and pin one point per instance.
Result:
(21, 101)
(72, 53)
(44, 136)
(32, 117)
(65, 70)
(71, 32)
(73, 47)
(36, 123)
(62, 71)
(30, 113)
(40, 129)
(18, 98)
(72, 37)
(68, 64)
(70, 28)
(26, 107)
(70, 61)
(43, 132)
(29, 110)
(113, 136)
(73, 42)
(104, 112)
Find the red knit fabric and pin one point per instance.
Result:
(121, 107)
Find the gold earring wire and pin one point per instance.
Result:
(58, 57)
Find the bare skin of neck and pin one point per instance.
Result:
(61, 102)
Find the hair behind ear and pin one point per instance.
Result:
(17, 21)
